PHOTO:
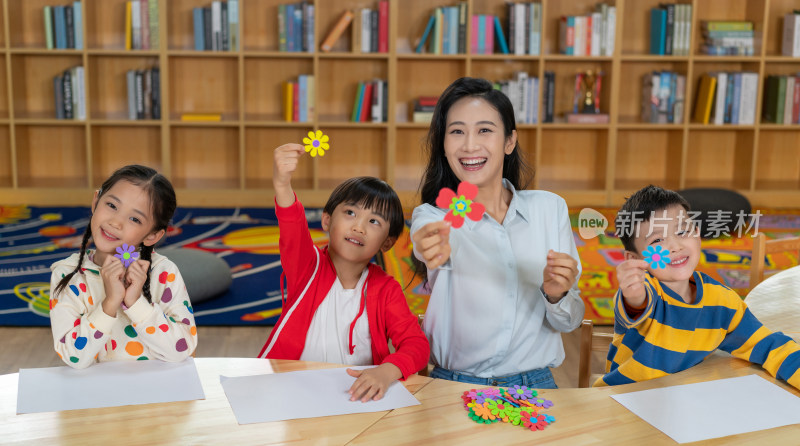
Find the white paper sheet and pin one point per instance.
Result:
(305, 394)
(107, 384)
(713, 409)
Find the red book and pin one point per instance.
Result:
(796, 101)
(366, 103)
(383, 26)
(587, 32)
(428, 100)
(295, 101)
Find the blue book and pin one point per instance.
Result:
(501, 39)
(658, 30)
(453, 18)
(737, 97)
(78, 23)
(290, 31)
(199, 30)
(302, 90)
(298, 27)
(60, 27)
(728, 99)
(481, 34)
(426, 33)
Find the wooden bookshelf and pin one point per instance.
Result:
(44, 161)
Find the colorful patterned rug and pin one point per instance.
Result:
(726, 259)
(31, 238)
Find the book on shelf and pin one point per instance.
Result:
(726, 98)
(663, 97)
(370, 30)
(591, 34)
(63, 26)
(215, 27)
(370, 104)
(141, 25)
(298, 102)
(790, 45)
(728, 38)
(69, 94)
(199, 117)
(781, 103)
(523, 92)
(670, 29)
(296, 27)
(336, 32)
(144, 93)
(548, 96)
(422, 109)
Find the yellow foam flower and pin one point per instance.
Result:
(316, 144)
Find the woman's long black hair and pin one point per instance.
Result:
(438, 173)
(162, 201)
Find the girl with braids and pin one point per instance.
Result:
(102, 311)
(514, 272)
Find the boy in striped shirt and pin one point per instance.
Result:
(669, 317)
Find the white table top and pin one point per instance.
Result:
(776, 302)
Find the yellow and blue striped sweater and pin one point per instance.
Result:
(671, 335)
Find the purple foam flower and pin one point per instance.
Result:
(127, 253)
(520, 392)
(541, 402)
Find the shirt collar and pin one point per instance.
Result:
(514, 208)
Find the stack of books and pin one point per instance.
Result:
(296, 27)
(371, 102)
(589, 35)
(141, 25)
(423, 109)
(671, 29)
(144, 94)
(70, 94)
(523, 92)
(791, 34)
(446, 31)
(62, 27)
(216, 27)
(370, 30)
(727, 98)
(782, 100)
(298, 99)
(728, 38)
(663, 94)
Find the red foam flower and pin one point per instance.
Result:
(461, 204)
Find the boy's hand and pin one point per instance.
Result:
(113, 274)
(134, 280)
(371, 384)
(286, 158)
(433, 243)
(559, 274)
(630, 275)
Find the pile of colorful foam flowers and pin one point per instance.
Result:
(517, 405)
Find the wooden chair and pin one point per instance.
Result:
(762, 247)
(591, 341)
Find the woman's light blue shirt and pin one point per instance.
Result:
(487, 316)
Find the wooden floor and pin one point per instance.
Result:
(32, 347)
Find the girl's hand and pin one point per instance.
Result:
(630, 275)
(372, 383)
(559, 274)
(113, 274)
(286, 158)
(433, 243)
(134, 280)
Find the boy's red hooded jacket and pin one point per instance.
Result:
(310, 274)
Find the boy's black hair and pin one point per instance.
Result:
(162, 202)
(639, 207)
(370, 193)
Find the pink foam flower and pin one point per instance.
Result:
(461, 204)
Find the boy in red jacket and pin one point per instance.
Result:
(340, 308)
